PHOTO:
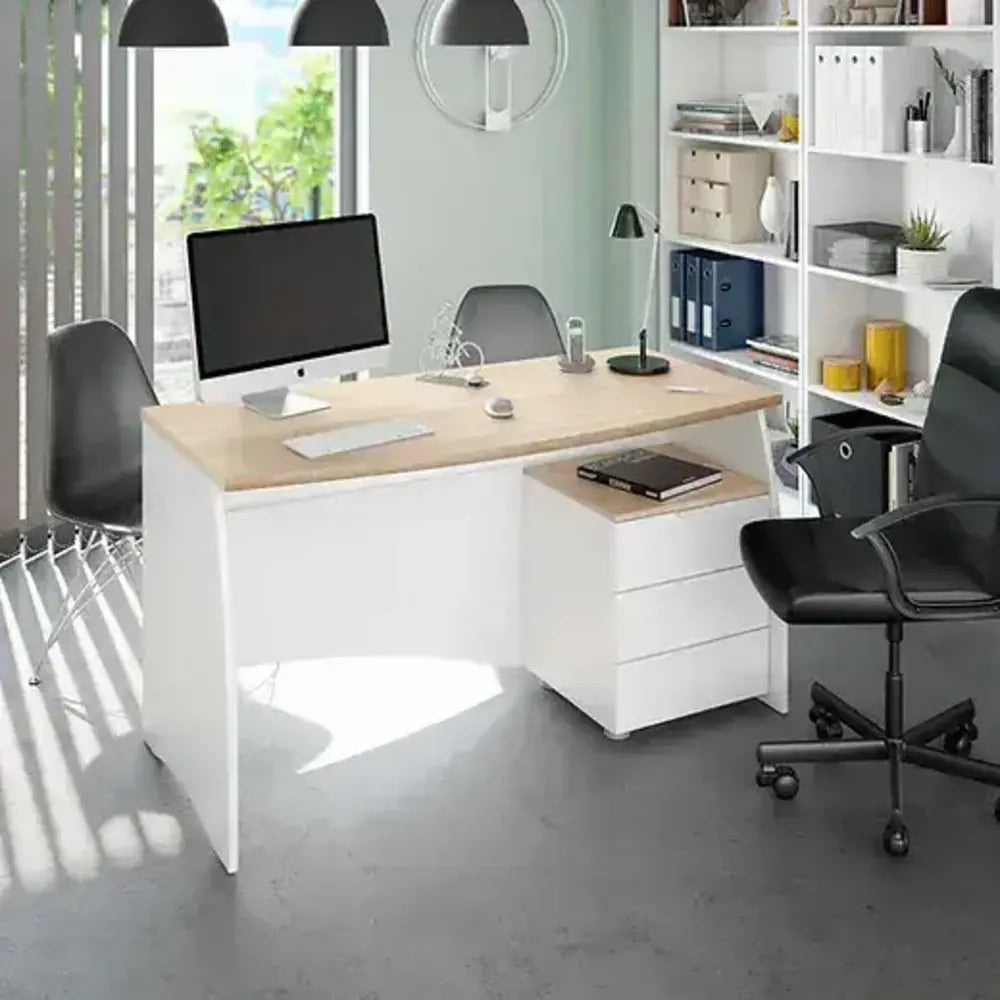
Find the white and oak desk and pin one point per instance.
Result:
(255, 555)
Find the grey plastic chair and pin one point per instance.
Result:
(509, 322)
(97, 390)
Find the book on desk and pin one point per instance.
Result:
(649, 473)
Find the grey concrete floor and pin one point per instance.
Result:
(421, 831)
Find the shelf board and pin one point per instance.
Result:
(887, 281)
(751, 140)
(900, 29)
(929, 158)
(907, 413)
(737, 361)
(734, 29)
(769, 253)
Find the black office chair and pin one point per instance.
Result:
(97, 390)
(509, 322)
(935, 559)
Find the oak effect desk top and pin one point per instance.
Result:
(241, 450)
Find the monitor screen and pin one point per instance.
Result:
(264, 296)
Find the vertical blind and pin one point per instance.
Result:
(76, 213)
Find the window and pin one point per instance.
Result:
(244, 135)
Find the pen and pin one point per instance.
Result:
(687, 388)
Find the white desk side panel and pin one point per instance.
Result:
(190, 696)
(426, 567)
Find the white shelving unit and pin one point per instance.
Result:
(827, 309)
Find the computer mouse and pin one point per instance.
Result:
(475, 381)
(500, 408)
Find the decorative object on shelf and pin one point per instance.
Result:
(792, 222)
(776, 352)
(446, 350)
(720, 193)
(154, 24)
(788, 123)
(772, 210)
(841, 374)
(785, 18)
(918, 124)
(925, 11)
(956, 148)
(922, 257)
(885, 355)
(711, 13)
(339, 23)
(490, 24)
(967, 13)
(923, 389)
(576, 360)
(761, 104)
(628, 226)
(860, 12)
(857, 247)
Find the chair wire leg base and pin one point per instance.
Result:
(893, 743)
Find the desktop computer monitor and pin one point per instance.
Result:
(284, 304)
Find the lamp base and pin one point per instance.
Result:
(629, 364)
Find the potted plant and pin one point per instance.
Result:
(921, 258)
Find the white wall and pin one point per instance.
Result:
(458, 207)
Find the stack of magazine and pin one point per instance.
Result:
(776, 352)
(720, 117)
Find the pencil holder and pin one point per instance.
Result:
(917, 137)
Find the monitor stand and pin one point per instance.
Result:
(277, 404)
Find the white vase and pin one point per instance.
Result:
(956, 148)
(772, 209)
(921, 267)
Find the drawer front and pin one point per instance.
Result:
(706, 195)
(691, 680)
(692, 221)
(674, 615)
(707, 164)
(673, 546)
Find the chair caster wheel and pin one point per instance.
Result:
(896, 839)
(782, 780)
(959, 741)
(827, 727)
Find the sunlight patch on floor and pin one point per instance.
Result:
(368, 702)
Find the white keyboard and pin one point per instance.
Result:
(355, 438)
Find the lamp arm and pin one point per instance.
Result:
(651, 285)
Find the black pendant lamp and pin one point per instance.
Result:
(480, 22)
(154, 24)
(339, 23)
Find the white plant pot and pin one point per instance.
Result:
(921, 267)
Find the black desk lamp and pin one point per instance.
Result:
(628, 226)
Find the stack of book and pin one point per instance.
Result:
(776, 352)
(979, 114)
(722, 117)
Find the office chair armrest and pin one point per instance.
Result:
(898, 435)
(874, 531)
(803, 457)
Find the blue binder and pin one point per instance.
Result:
(692, 298)
(678, 264)
(731, 294)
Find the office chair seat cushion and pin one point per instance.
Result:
(115, 506)
(812, 572)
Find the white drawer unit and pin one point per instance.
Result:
(639, 612)
(709, 196)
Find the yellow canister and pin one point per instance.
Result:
(842, 374)
(885, 354)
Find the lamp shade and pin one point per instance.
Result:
(627, 225)
(343, 23)
(480, 22)
(153, 24)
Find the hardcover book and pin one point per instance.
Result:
(649, 473)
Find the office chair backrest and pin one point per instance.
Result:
(97, 388)
(509, 322)
(959, 450)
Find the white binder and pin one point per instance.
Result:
(823, 125)
(894, 77)
(852, 119)
(837, 94)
